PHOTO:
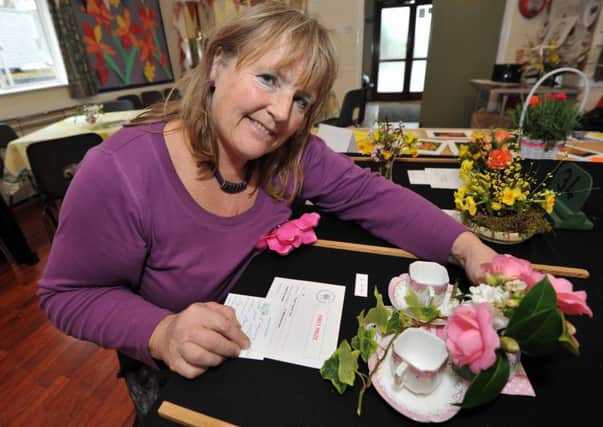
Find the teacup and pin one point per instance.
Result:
(419, 359)
(429, 280)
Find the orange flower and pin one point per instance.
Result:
(499, 159)
(534, 100)
(501, 136)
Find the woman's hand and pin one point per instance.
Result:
(197, 338)
(469, 252)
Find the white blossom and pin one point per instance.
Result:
(494, 296)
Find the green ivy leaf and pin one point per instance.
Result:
(348, 363)
(378, 315)
(488, 384)
(330, 372)
(417, 310)
(394, 324)
(537, 324)
(367, 343)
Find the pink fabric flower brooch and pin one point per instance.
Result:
(292, 234)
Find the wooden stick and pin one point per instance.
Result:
(384, 250)
(188, 417)
(411, 159)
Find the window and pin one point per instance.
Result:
(29, 52)
(402, 33)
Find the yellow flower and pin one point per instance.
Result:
(470, 205)
(465, 171)
(376, 135)
(463, 151)
(149, 71)
(539, 67)
(509, 196)
(387, 155)
(496, 206)
(364, 147)
(476, 136)
(549, 202)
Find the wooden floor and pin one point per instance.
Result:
(46, 377)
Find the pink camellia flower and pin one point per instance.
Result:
(510, 267)
(291, 234)
(471, 338)
(568, 300)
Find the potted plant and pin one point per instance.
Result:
(547, 122)
(499, 199)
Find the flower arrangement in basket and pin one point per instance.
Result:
(548, 122)
(482, 333)
(386, 142)
(498, 198)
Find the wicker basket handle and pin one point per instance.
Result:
(546, 76)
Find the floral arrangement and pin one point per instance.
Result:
(515, 310)
(386, 142)
(539, 60)
(496, 192)
(549, 119)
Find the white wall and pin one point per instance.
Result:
(346, 20)
(40, 101)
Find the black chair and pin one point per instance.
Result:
(352, 101)
(134, 99)
(151, 97)
(172, 94)
(118, 105)
(53, 164)
(7, 134)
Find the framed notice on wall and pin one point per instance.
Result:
(125, 42)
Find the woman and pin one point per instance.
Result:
(162, 217)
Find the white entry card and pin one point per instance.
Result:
(443, 177)
(340, 140)
(307, 329)
(257, 317)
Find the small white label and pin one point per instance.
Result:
(361, 287)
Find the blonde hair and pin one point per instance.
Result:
(247, 38)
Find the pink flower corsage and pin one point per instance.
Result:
(291, 234)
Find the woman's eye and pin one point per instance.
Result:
(268, 80)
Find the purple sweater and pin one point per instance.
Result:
(133, 246)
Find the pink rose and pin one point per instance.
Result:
(568, 300)
(510, 267)
(291, 234)
(471, 337)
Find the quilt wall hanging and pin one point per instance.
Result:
(125, 42)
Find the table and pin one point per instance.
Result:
(16, 164)
(494, 90)
(272, 393)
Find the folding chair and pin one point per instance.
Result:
(352, 101)
(118, 105)
(151, 97)
(134, 99)
(53, 164)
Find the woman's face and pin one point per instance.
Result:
(256, 107)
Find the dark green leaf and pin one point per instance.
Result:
(536, 324)
(567, 339)
(488, 384)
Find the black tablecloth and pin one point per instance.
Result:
(261, 393)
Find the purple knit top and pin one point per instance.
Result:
(133, 246)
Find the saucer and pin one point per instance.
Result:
(398, 288)
(437, 406)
